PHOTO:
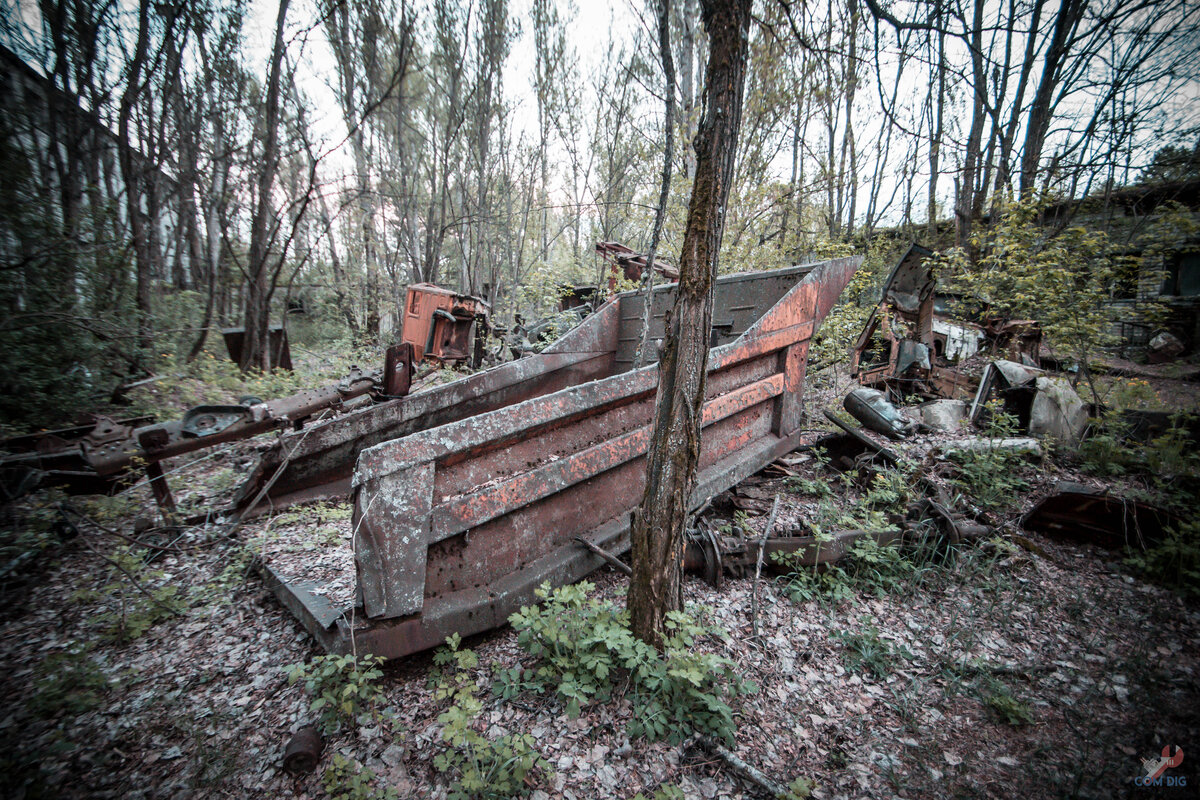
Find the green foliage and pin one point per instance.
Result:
(668, 792)
(799, 789)
(30, 527)
(587, 652)
(107, 509)
(1063, 279)
(489, 769)
(344, 780)
(1174, 561)
(1006, 708)
(67, 682)
(129, 612)
(813, 487)
(866, 652)
(842, 326)
(991, 476)
(343, 687)
(1173, 163)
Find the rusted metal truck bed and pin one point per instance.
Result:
(456, 525)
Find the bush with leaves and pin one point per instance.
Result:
(867, 652)
(990, 476)
(68, 681)
(135, 597)
(343, 687)
(1064, 279)
(1174, 561)
(586, 650)
(481, 767)
(345, 780)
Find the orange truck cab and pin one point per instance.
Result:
(439, 323)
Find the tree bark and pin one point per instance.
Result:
(674, 452)
(260, 282)
(131, 175)
(664, 192)
(1041, 112)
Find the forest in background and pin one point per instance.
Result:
(177, 175)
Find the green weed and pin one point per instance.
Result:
(481, 768)
(587, 652)
(343, 687)
(345, 780)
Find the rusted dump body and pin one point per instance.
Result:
(439, 323)
(911, 343)
(456, 525)
(317, 463)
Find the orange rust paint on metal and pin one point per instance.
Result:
(493, 501)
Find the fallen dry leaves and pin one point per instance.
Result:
(199, 705)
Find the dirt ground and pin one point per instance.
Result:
(1017, 666)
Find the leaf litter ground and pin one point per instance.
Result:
(1036, 671)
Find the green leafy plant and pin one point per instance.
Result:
(799, 789)
(345, 780)
(344, 688)
(878, 569)
(67, 682)
(1174, 561)
(991, 476)
(1006, 708)
(668, 792)
(480, 767)
(866, 652)
(1064, 279)
(134, 599)
(586, 650)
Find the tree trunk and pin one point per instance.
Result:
(937, 111)
(131, 175)
(965, 195)
(664, 192)
(260, 278)
(1041, 111)
(674, 452)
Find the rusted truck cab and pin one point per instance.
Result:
(440, 323)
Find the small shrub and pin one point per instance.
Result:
(866, 652)
(668, 792)
(990, 477)
(67, 682)
(343, 687)
(1174, 561)
(490, 769)
(1007, 709)
(799, 789)
(868, 567)
(129, 611)
(344, 780)
(586, 650)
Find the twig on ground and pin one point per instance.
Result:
(762, 544)
(743, 770)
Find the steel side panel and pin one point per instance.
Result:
(476, 610)
(493, 501)
(560, 465)
(391, 542)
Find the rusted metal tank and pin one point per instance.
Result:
(456, 525)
